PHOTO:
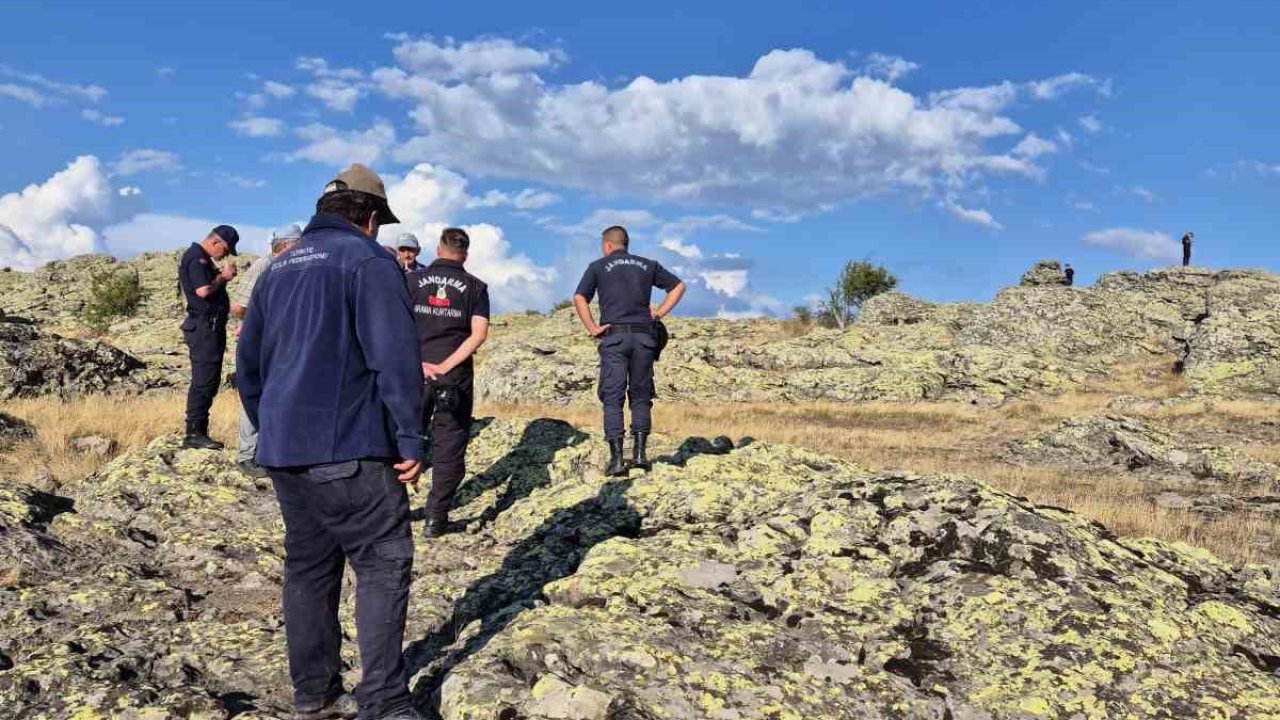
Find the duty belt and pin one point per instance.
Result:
(646, 328)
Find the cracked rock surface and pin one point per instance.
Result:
(754, 581)
(1220, 327)
(1186, 475)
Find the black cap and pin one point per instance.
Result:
(228, 235)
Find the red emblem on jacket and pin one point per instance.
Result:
(440, 299)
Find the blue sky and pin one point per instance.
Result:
(753, 147)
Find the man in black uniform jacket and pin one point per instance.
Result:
(451, 311)
(204, 329)
(627, 337)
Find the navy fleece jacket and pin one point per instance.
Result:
(327, 365)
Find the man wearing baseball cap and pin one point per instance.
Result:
(331, 378)
(407, 249)
(204, 330)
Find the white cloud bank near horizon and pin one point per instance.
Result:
(1140, 244)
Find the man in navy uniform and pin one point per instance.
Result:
(330, 377)
(451, 310)
(1187, 240)
(204, 330)
(627, 334)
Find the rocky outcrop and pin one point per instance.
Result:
(1044, 272)
(13, 429)
(895, 308)
(56, 293)
(1184, 474)
(747, 582)
(1220, 327)
(33, 362)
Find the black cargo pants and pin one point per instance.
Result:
(447, 404)
(626, 372)
(206, 339)
(355, 511)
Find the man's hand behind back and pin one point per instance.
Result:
(409, 470)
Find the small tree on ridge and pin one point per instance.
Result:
(858, 282)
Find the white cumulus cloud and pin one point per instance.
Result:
(54, 91)
(526, 199)
(427, 199)
(329, 146)
(976, 216)
(258, 126)
(63, 215)
(1141, 244)
(1033, 146)
(143, 160)
(1091, 124)
(449, 60)
(889, 67)
(796, 132)
(101, 118)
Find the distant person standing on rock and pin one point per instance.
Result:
(451, 311)
(204, 330)
(332, 379)
(628, 335)
(1070, 272)
(1186, 248)
(281, 240)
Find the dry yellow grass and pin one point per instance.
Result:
(131, 422)
(923, 438)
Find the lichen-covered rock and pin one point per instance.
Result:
(1044, 272)
(1221, 327)
(753, 582)
(13, 429)
(1184, 474)
(772, 583)
(895, 308)
(33, 362)
(1116, 441)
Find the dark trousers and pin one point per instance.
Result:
(447, 404)
(206, 339)
(355, 511)
(626, 371)
(1186, 255)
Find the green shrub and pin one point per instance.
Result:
(858, 282)
(560, 306)
(113, 294)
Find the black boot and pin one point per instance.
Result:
(639, 448)
(198, 437)
(437, 524)
(616, 465)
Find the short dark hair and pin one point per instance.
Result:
(455, 239)
(354, 206)
(617, 235)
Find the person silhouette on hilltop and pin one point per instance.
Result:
(1186, 248)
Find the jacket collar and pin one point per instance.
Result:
(329, 221)
(446, 263)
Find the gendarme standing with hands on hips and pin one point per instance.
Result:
(629, 335)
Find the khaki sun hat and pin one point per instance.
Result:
(362, 179)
